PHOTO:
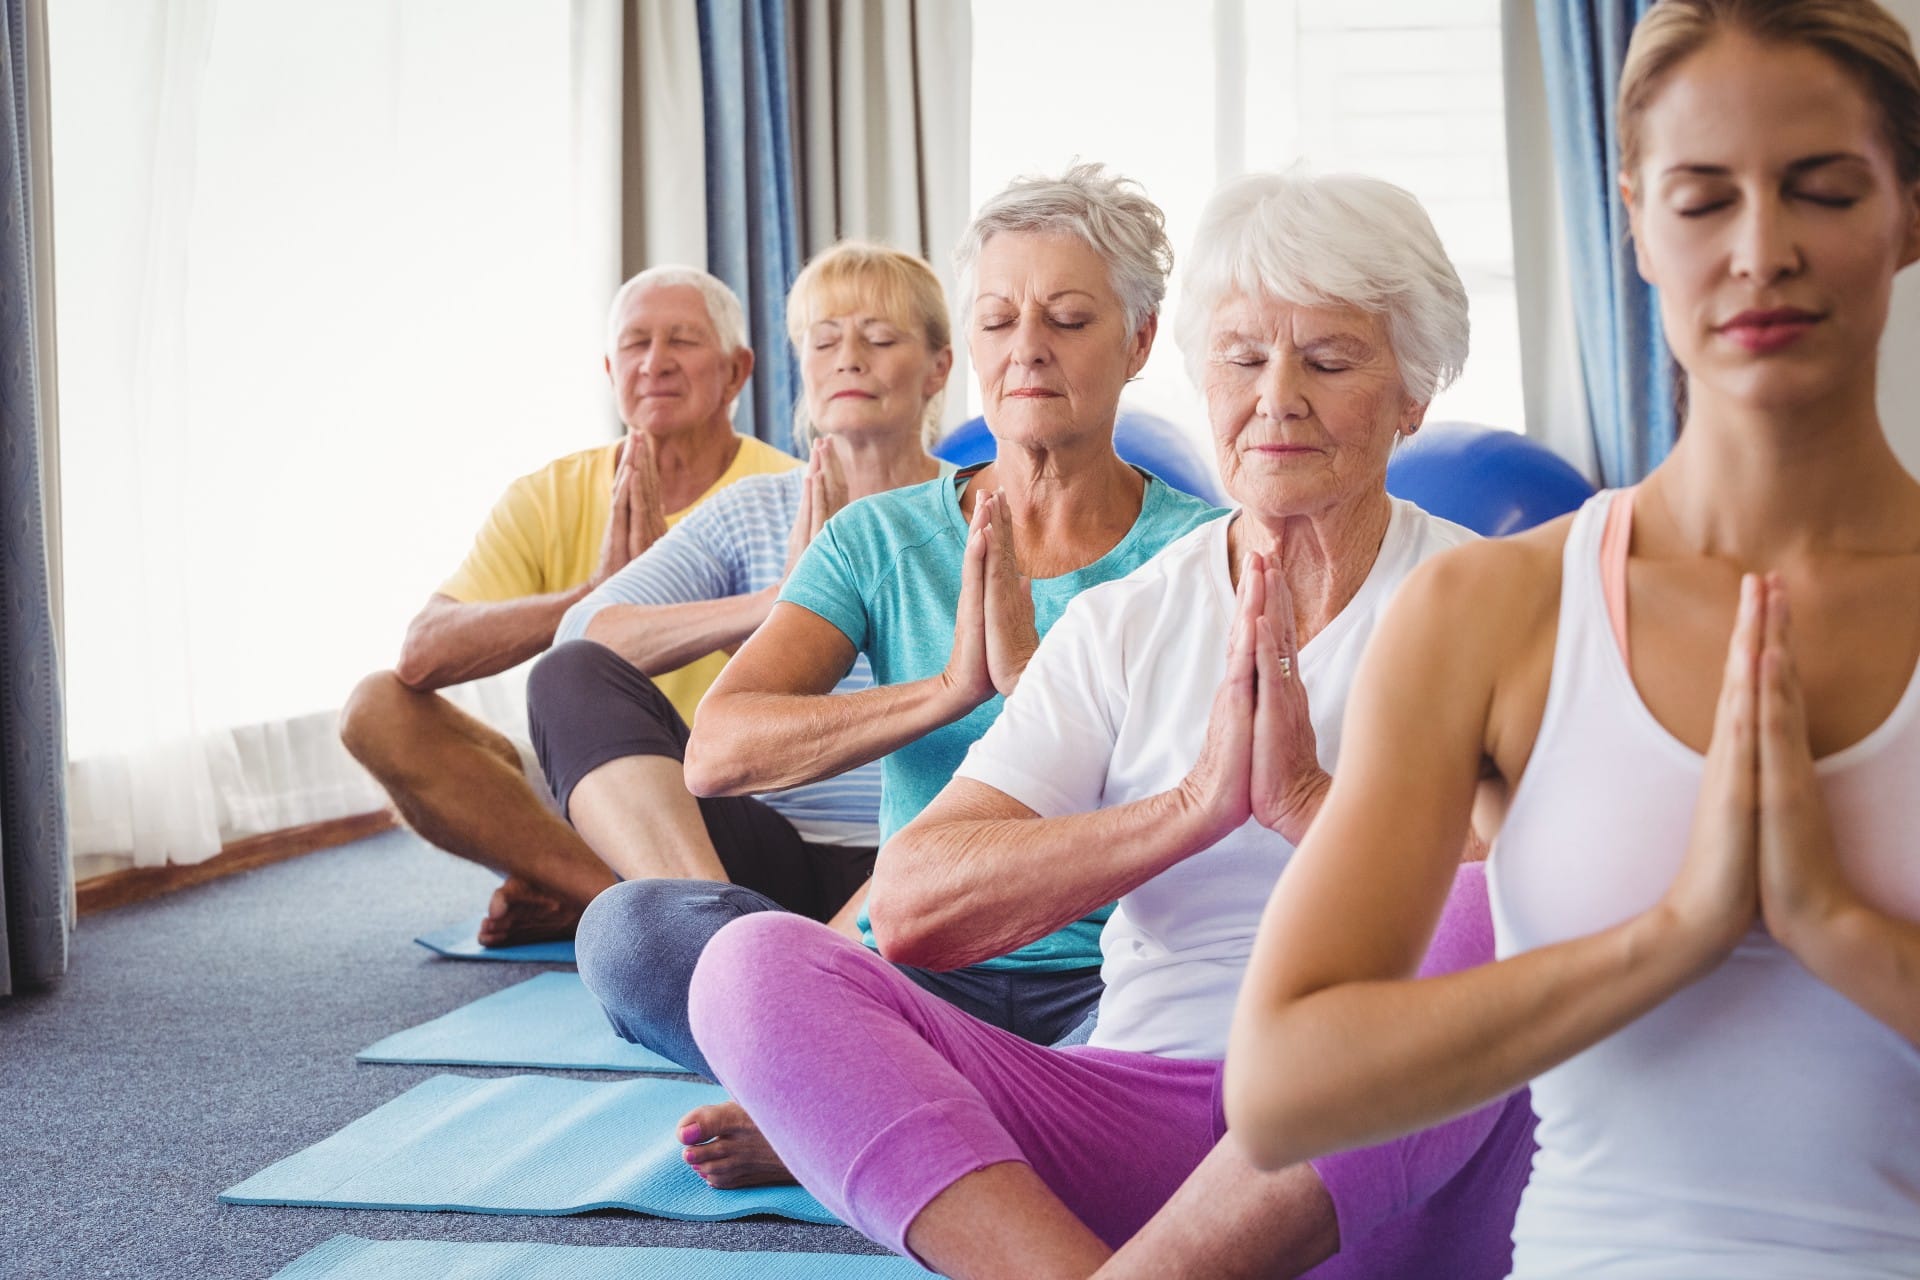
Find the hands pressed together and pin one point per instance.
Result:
(1260, 759)
(637, 518)
(1761, 846)
(823, 491)
(994, 635)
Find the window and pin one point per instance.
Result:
(1184, 97)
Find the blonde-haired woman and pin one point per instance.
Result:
(871, 329)
(1707, 889)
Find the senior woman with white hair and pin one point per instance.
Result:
(1321, 317)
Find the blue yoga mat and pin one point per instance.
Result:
(462, 942)
(551, 1020)
(351, 1258)
(539, 1145)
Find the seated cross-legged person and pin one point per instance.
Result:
(676, 359)
(871, 327)
(947, 587)
(1320, 317)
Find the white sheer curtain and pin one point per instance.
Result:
(329, 277)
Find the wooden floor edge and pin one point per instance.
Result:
(136, 884)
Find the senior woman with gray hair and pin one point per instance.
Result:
(1320, 318)
(946, 588)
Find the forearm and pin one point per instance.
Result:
(1359, 1063)
(847, 919)
(953, 891)
(1871, 958)
(450, 642)
(657, 638)
(745, 742)
(1230, 1222)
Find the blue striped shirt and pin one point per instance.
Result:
(733, 544)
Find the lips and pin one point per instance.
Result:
(1770, 330)
(1032, 393)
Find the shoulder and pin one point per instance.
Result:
(757, 457)
(766, 495)
(1173, 583)
(1175, 509)
(1496, 590)
(897, 519)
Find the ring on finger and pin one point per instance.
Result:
(1286, 667)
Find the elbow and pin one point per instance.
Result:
(416, 668)
(708, 770)
(900, 932)
(1273, 1108)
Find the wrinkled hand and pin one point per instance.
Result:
(1217, 786)
(1715, 898)
(968, 673)
(1287, 781)
(1801, 884)
(823, 491)
(1011, 634)
(634, 518)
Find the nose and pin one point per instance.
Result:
(850, 355)
(657, 359)
(1765, 247)
(1032, 346)
(1282, 391)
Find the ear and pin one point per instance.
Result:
(1413, 415)
(1142, 346)
(742, 370)
(937, 376)
(1910, 248)
(606, 362)
(1640, 262)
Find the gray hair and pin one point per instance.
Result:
(1342, 239)
(1111, 213)
(724, 312)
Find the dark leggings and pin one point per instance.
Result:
(587, 705)
(638, 943)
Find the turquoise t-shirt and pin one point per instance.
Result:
(886, 572)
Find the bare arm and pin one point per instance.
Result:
(1228, 1221)
(663, 637)
(450, 642)
(978, 874)
(772, 721)
(1333, 1045)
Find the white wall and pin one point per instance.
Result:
(1900, 349)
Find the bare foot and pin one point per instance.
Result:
(521, 913)
(726, 1148)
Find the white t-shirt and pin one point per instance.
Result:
(1113, 708)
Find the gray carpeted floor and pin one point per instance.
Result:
(201, 1036)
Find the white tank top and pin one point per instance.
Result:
(1757, 1124)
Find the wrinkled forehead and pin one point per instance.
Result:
(1024, 266)
(667, 307)
(1267, 319)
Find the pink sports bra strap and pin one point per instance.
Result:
(1615, 536)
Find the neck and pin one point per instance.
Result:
(1071, 504)
(874, 462)
(689, 462)
(1326, 555)
(1757, 487)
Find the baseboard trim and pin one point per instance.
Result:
(136, 884)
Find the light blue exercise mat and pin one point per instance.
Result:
(351, 1258)
(550, 1020)
(538, 1145)
(462, 942)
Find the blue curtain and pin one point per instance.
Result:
(753, 227)
(1628, 372)
(33, 804)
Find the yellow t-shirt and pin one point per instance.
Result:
(544, 535)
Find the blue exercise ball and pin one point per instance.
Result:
(1146, 440)
(1493, 482)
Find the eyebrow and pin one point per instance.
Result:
(1344, 343)
(1799, 166)
(1052, 297)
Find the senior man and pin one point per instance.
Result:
(677, 358)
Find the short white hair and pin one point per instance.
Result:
(724, 312)
(1111, 213)
(1342, 239)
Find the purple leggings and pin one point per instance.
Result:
(879, 1096)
